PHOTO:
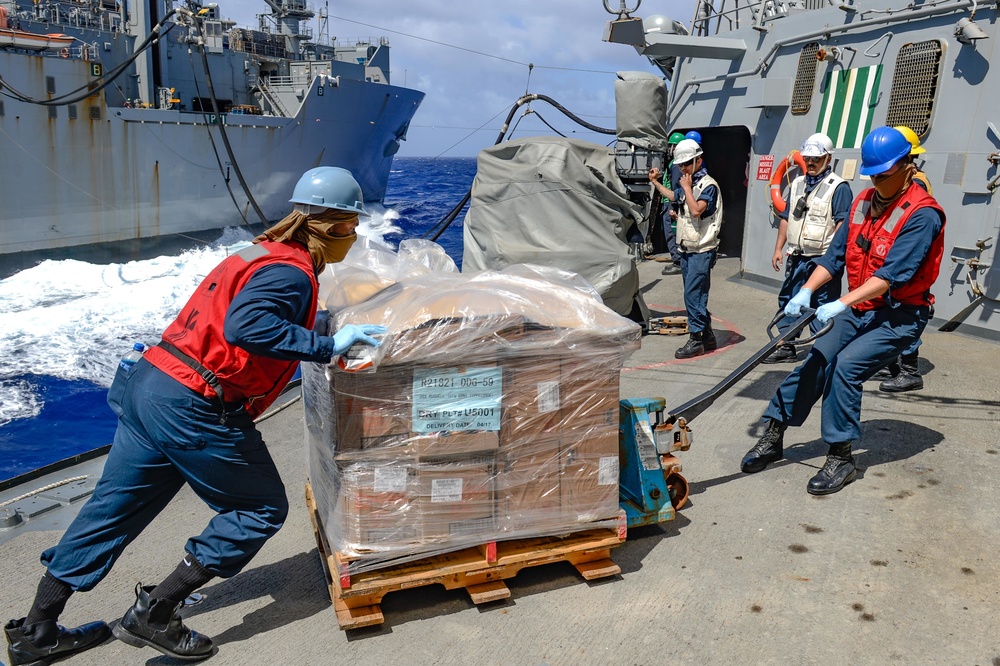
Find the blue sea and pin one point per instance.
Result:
(64, 324)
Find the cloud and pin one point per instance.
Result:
(488, 71)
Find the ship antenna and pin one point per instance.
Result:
(623, 11)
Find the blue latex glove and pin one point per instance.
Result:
(828, 311)
(351, 333)
(801, 299)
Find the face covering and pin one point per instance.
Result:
(335, 247)
(315, 231)
(888, 189)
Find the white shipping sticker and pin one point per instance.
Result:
(446, 490)
(607, 471)
(548, 397)
(390, 479)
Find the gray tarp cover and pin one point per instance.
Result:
(641, 110)
(553, 202)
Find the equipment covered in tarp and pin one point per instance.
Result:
(641, 110)
(555, 202)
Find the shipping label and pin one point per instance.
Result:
(390, 479)
(548, 397)
(607, 471)
(454, 400)
(446, 490)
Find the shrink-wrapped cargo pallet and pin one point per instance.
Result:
(489, 412)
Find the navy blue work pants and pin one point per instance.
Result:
(798, 268)
(670, 234)
(167, 436)
(839, 363)
(696, 269)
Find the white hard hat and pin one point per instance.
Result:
(686, 150)
(817, 145)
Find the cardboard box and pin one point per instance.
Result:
(395, 409)
(589, 483)
(529, 496)
(377, 507)
(532, 400)
(457, 499)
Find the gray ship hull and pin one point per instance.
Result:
(114, 174)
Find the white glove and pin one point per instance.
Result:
(351, 333)
(793, 308)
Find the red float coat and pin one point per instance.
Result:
(250, 379)
(879, 235)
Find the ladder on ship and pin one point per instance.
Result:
(271, 98)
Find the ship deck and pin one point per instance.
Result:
(900, 567)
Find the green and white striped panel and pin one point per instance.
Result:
(849, 105)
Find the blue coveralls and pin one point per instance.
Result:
(799, 267)
(860, 342)
(169, 435)
(696, 269)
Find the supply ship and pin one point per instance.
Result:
(124, 121)
(756, 77)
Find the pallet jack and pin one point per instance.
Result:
(651, 487)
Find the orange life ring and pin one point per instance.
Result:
(777, 200)
(64, 53)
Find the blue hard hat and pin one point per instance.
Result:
(694, 136)
(329, 187)
(883, 147)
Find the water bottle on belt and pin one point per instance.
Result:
(131, 358)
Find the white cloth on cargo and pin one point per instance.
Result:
(553, 202)
(641, 110)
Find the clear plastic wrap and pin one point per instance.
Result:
(489, 412)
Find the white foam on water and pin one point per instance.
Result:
(73, 320)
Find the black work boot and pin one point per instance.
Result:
(157, 624)
(908, 378)
(888, 372)
(837, 472)
(708, 340)
(782, 354)
(693, 347)
(768, 449)
(44, 642)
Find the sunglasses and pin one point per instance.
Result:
(813, 160)
(684, 164)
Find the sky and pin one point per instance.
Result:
(471, 60)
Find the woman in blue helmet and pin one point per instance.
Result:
(185, 417)
(891, 251)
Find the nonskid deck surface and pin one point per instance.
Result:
(899, 567)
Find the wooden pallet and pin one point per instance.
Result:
(481, 570)
(669, 325)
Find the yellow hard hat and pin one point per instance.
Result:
(912, 137)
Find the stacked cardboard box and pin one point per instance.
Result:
(513, 433)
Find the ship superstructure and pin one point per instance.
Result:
(756, 78)
(150, 154)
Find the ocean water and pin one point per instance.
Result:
(64, 324)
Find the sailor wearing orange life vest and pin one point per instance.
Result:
(891, 250)
(185, 416)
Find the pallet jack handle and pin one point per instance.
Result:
(684, 414)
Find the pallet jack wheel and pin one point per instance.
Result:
(678, 487)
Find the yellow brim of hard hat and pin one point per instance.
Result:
(918, 150)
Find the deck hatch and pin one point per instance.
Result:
(805, 79)
(914, 85)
